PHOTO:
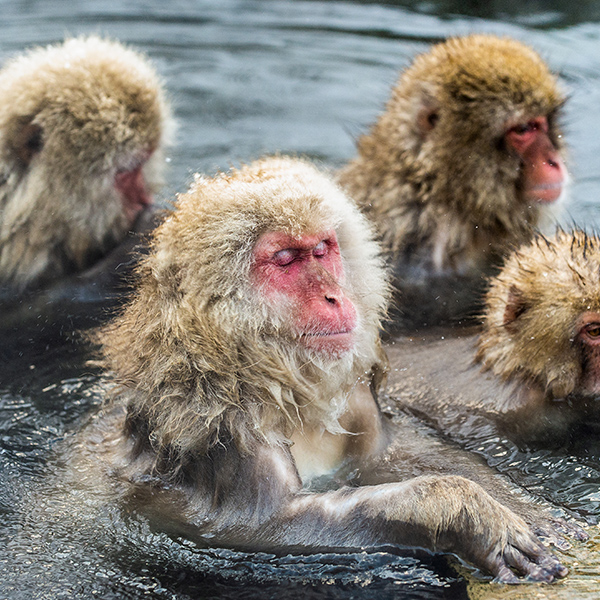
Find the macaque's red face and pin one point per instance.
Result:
(589, 337)
(134, 192)
(543, 173)
(306, 275)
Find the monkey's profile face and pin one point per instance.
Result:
(589, 338)
(304, 276)
(82, 128)
(543, 316)
(543, 171)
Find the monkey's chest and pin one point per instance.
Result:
(318, 453)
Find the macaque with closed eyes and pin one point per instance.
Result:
(247, 365)
(82, 128)
(465, 162)
(534, 369)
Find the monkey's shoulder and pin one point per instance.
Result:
(435, 375)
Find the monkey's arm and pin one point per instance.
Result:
(257, 502)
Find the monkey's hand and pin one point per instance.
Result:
(553, 529)
(490, 535)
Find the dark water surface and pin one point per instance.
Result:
(245, 78)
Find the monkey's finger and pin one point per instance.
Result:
(536, 564)
(573, 530)
(552, 536)
(553, 531)
(504, 575)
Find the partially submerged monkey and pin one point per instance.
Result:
(534, 370)
(248, 362)
(465, 161)
(82, 127)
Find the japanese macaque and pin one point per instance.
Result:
(534, 369)
(82, 126)
(466, 159)
(246, 367)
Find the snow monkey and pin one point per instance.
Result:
(247, 364)
(82, 125)
(466, 159)
(535, 367)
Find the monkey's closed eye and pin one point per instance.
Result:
(320, 249)
(285, 257)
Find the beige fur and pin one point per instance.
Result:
(547, 285)
(223, 416)
(100, 108)
(446, 196)
(193, 345)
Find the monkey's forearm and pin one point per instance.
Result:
(445, 514)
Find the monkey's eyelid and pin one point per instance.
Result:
(285, 257)
(523, 128)
(320, 249)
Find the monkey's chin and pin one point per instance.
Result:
(332, 345)
(544, 194)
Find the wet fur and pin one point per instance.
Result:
(220, 419)
(71, 115)
(445, 197)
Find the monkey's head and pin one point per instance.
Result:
(261, 298)
(543, 316)
(472, 124)
(82, 125)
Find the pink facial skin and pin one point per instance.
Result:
(307, 274)
(134, 192)
(543, 169)
(589, 336)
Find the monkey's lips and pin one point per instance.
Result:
(330, 342)
(546, 193)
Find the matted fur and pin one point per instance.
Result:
(200, 353)
(552, 280)
(454, 185)
(100, 108)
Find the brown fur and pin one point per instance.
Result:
(194, 338)
(528, 370)
(71, 116)
(546, 287)
(446, 196)
(221, 415)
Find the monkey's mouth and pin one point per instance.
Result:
(330, 342)
(545, 193)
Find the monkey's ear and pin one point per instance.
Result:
(428, 114)
(27, 141)
(515, 307)
(427, 120)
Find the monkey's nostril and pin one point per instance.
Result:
(331, 300)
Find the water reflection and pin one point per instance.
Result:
(249, 77)
(532, 13)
